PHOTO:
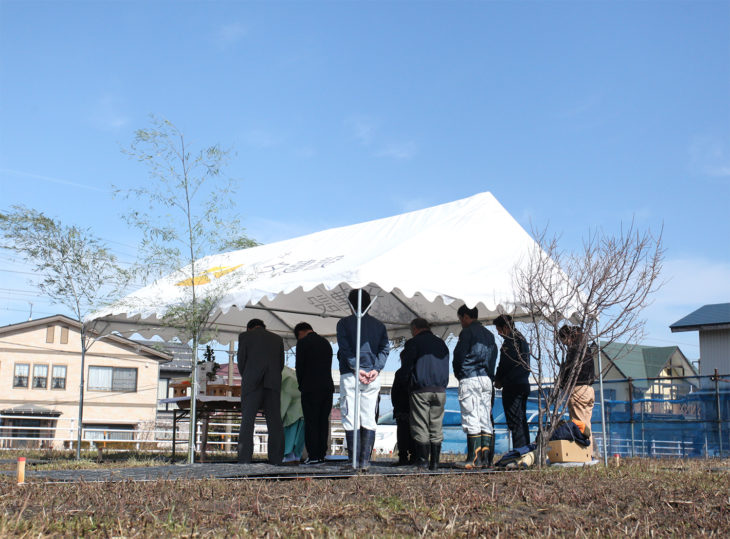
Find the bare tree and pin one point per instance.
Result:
(600, 290)
(185, 213)
(74, 267)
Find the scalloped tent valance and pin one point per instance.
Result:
(423, 263)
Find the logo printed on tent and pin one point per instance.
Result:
(273, 269)
(217, 272)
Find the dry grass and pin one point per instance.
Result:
(66, 460)
(640, 498)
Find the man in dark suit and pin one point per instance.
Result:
(260, 362)
(314, 374)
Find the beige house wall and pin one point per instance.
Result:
(621, 388)
(30, 346)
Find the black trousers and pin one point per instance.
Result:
(514, 400)
(316, 407)
(270, 401)
(406, 448)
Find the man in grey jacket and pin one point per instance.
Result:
(475, 356)
(374, 349)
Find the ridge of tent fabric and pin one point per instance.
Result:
(423, 263)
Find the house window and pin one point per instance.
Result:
(112, 379)
(64, 334)
(40, 376)
(49, 333)
(108, 432)
(22, 370)
(59, 377)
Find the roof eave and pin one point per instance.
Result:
(700, 327)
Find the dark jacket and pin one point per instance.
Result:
(514, 361)
(314, 364)
(400, 393)
(586, 374)
(475, 353)
(374, 344)
(567, 430)
(260, 360)
(427, 358)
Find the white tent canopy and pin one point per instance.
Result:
(423, 263)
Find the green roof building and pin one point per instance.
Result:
(650, 369)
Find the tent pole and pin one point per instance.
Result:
(603, 402)
(356, 430)
(193, 403)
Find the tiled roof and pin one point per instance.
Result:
(707, 315)
(637, 361)
(182, 354)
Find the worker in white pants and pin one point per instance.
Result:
(475, 400)
(475, 356)
(374, 349)
(368, 402)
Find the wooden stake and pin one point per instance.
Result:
(21, 470)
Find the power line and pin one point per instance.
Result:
(26, 310)
(18, 271)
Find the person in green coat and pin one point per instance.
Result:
(292, 416)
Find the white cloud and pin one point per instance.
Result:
(306, 152)
(267, 230)
(413, 204)
(367, 132)
(399, 150)
(50, 179)
(230, 34)
(106, 113)
(693, 282)
(710, 156)
(690, 283)
(635, 215)
(363, 129)
(261, 138)
(580, 107)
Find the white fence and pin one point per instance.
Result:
(42, 432)
(646, 448)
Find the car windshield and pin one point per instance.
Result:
(386, 419)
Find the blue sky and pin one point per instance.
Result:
(575, 115)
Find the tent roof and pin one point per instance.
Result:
(423, 263)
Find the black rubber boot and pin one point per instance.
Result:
(349, 444)
(421, 456)
(405, 442)
(485, 459)
(367, 441)
(435, 455)
(473, 448)
(490, 457)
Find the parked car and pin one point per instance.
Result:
(386, 440)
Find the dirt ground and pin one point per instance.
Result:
(639, 498)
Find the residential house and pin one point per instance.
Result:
(651, 370)
(40, 376)
(176, 370)
(713, 324)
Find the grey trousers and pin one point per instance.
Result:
(427, 417)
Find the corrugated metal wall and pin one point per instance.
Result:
(715, 352)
